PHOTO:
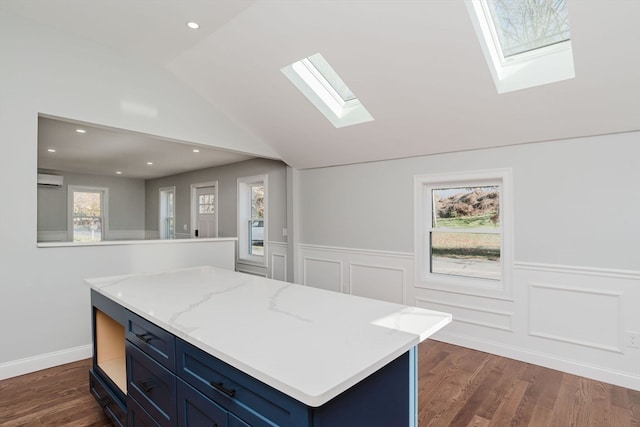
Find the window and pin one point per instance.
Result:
(463, 232)
(525, 43)
(87, 214)
(252, 218)
(320, 83)
(167, 213)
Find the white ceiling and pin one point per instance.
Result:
(103, 151)
(416, 65)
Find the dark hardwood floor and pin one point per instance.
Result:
(457, 387)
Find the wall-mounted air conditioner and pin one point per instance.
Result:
(50, 181)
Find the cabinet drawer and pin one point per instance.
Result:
(153, 386)
(194, 409)
(112, 406)
(138, 417)
(153, 340)
(253, 401)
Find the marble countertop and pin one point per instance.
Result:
(309, 343)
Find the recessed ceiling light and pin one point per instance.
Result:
(193, 25)
(195, 150)
(149, 163)
(51, 150)
(118, 173)
(81, 130)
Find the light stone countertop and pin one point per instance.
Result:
(309, 343)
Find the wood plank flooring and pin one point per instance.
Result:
(457, 387)
(467, 388)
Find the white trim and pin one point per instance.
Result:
(133, 242)
(500, 289)
(572, 269)
(366, 252)
(43, 361)
(571, 366)
(193, 201)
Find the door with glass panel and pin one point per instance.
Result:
(206, 212)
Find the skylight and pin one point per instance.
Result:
(526, 43)
(320, 83)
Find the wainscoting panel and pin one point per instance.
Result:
(379, 282)
(571, 318)
(586, 317)
(386, 276)
(279, 267)
(487, 318)
(322, 273)
(277, 253)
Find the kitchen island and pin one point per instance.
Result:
(234, 349)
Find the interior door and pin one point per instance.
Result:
(206, 212)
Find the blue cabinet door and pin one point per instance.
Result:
(194, 409)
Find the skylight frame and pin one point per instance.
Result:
(323, 95)
(490, 13)
(532, 68)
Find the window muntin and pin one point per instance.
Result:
(464, 237)
(206, 204)
(523, 26)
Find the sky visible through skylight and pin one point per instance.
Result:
(524, 25)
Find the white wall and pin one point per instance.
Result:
(576, 281)
(44, 304)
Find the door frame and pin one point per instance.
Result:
(193, 204)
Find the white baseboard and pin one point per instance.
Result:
(527, 355)
(44, 361)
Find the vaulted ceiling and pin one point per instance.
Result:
(416, 65)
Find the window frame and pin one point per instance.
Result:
(533, 68)
(104, 209)
(423, 225)
(317, 88)
(162, 214)
(244, 216)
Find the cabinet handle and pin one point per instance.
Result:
(146, 385)
(104, 402)
(220, 386)
(146, 337)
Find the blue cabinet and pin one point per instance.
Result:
(145, 376)
(196, 409)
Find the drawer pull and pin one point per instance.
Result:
(146, 337)
(104, 402)
(146, 385)
(220, 387)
